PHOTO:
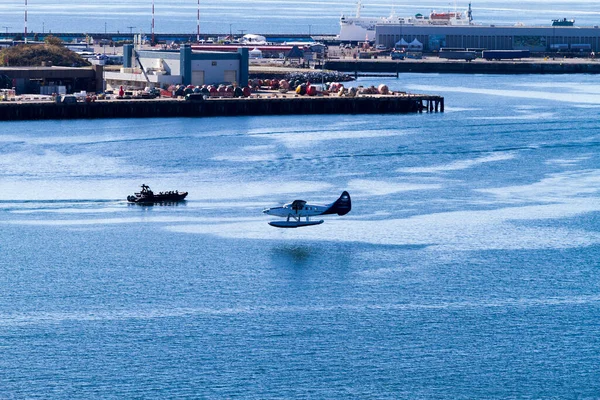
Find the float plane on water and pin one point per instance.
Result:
(298, 209)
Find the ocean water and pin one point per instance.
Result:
(264, 16)
(467, 268)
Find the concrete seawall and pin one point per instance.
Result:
(371, 104)
(462, 67)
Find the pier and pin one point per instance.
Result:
(479, 66)
(218, 107)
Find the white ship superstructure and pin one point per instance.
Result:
(359, 29)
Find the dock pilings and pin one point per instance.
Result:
(219, 107)
(431, 104)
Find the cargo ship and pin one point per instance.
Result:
(360, 29)
(456, 29)
(563, 22)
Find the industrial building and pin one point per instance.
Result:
(163, 68)
(490, 37)
(48, 80)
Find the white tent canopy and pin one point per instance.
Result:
(401, 43)
(255, 53)
(415, 45)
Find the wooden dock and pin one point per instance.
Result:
(219, 107)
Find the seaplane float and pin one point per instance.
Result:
(296, 210)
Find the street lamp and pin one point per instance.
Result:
(230, 34)
(131, 29)
(309, 26)
(6, 27)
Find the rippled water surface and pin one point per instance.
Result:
(265, 16)
(468, 267)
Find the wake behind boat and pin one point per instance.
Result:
(146, 195)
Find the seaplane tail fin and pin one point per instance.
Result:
(341, 206)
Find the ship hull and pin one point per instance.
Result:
(158, 198)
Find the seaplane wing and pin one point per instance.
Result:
(294, 212)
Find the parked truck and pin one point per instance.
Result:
(458, 55)
(504, 54)
(397, 55)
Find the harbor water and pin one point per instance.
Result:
(264, 16)
(467, 268)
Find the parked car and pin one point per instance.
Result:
(194, 96)
(69, 99)
(397, 55)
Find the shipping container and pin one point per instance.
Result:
(504, 54)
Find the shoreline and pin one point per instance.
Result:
(478, 66)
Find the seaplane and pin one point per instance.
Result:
(296, 210)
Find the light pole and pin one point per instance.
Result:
(152, 43)
(198, 24)
(131, 29)
(43, 27)
(309, 26)
(6, 27)
(105, 28)
(230, 34)
(25, 30)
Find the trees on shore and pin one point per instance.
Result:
(52, 52)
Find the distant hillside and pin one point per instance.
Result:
(28, 55)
